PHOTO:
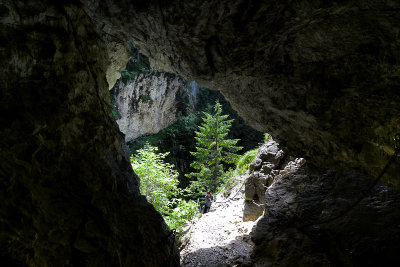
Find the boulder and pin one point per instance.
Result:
(315, 218)
(269, 165)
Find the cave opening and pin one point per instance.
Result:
(158, 113)
(322, 78)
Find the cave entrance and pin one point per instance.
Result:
(159, 113)
(164, 110)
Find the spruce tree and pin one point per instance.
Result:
(213, 148)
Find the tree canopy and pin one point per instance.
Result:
(213, 148)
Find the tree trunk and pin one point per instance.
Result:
(215, 175)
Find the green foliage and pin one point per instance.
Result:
(115, 112)
(157, 178)
(213, 148)
(128, 75)
(138, 63)
(245, 160)
(266, 137)
(242, 166)
(228, 182)
(179, 216)
(158, 181)
(146, 98)
(178, 139)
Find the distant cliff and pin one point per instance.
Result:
(150, 102)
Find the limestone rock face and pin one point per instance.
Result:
(311, 220)
(320, 76)
(68, 194)
(150, 102)
(117, 50)
(118, 57)
(270, 164)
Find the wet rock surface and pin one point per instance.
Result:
(150, 102)
(270, 164)
(310, 220)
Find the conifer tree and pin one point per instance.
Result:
(213, 148)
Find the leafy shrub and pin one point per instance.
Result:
(266, 137)
(158, 181)
(179, 216)
(245, 160)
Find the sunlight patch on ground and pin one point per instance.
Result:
(220, 236)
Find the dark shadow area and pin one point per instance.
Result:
(315, 219)
(7, 261)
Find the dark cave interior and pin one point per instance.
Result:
(322, 77)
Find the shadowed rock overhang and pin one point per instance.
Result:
(321, 77)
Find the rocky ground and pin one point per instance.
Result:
(220, 237)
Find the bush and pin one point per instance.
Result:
(158, 181)
(245, 160)
(242, 166)
(266, 137)
(182, 214)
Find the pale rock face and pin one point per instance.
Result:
(118, 55)
(149, 103)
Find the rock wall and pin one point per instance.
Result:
(320, 76)
(270, 164)
(312, 219)
(150, 102)
(318, 218)
(68, 194)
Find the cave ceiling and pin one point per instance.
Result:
(321, 76)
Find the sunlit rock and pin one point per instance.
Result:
(151, 102)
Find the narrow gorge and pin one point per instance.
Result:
(322, 77)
